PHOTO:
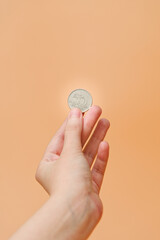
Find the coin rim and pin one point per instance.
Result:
(85, 91)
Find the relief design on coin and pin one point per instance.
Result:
(81, 99)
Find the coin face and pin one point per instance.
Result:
(80, 98)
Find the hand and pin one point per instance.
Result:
(65, 170)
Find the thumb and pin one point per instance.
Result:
(72, 135)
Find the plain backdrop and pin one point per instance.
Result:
(110, 48)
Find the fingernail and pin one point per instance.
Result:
(75, 112)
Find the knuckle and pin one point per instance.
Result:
(99, 170)
(73, 127)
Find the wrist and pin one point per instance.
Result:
(74, 220)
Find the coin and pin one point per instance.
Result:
(80, 98)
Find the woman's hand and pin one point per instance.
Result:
(65, 170)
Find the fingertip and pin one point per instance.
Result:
(75, 113)
(97, 108)
(103, 151)
(105, 122)
(104, 145)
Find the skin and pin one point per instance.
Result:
(72, 179)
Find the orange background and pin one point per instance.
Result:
(110, 48)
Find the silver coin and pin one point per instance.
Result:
(80, 98)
